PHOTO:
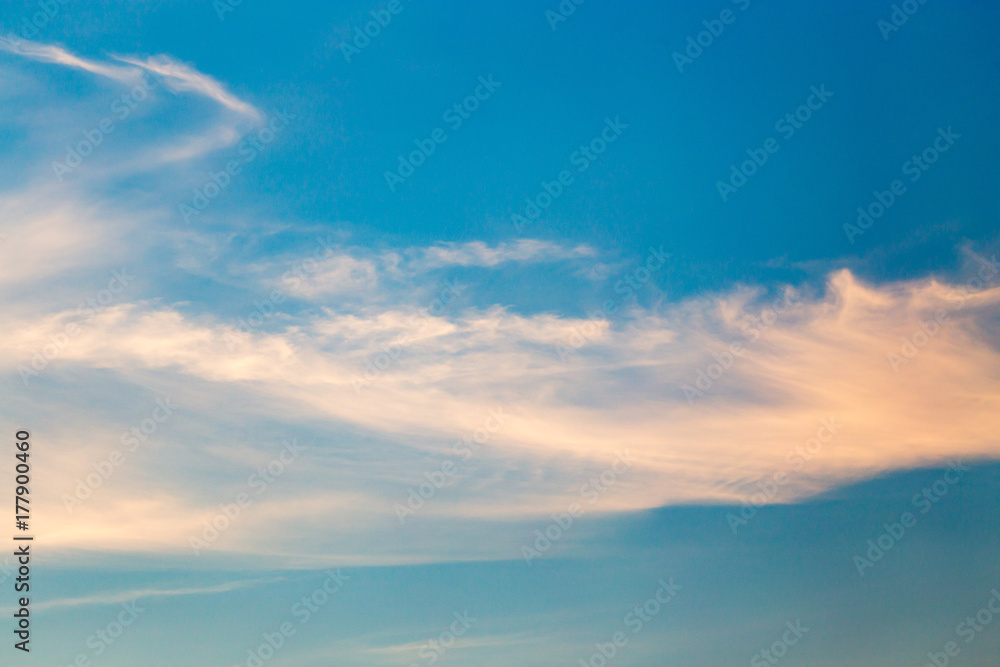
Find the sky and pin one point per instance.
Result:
(505, 333)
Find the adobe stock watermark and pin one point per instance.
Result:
(363, 35)
(563, 11)
(30, 25)
(223, 7)
(104, 638)
(898, 17)
(417, 496)
(787, 125)
(930, 328)
(259, 482)
(635, 621)
(301, 271)
(585, 155)
(968, 629)
(248, 150)
(752, 328)
(304, 610)
(894, 532)
(130, 438)
(713, 30)
(590, 491)
(779, 649)
(58, 342)
(381, 361)
(121, 108)
(627, 286)
(433, 649)
(914, 168)
(454, 117)
(796, 459)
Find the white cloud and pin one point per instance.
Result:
(477, 253)
(826, 357)
(617, 384)
(178, 77)
(337, 274)
(184, 78)
(138, 594)
(59, 56)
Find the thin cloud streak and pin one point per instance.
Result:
(183, 78)
(59, 56)
(107, 599)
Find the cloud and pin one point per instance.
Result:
(337, 274)
(59, 56)
(477, 253)
(184, 78)
(218, 137)
(129, 596)
(65, 229)
(825, 357)
(383, 386)
(332, 270)
(178, 77)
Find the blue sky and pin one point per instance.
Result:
(224, 311)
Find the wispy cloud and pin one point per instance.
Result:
(184, 143)
(60, 56)
(702, 423)
(825, 357)
(359, 271)
(181, 77)
(477, 253)
(178, 76)
(113, 598)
